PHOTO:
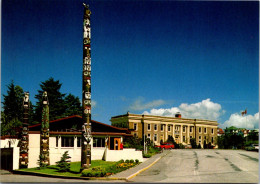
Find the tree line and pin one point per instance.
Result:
(234, 139)
(61, 105)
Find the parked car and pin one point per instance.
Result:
(166, 146)
(252, 147)
(188, 146)
(256, 146)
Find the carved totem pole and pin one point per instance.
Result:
(44, 151)
(86, 92)
(23, 160)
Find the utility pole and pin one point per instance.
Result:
(23, 160)
(86, 92)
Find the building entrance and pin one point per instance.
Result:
(114, 143)
(7, 159)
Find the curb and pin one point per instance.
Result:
(138, 172)
(65, 177)
(147, 167)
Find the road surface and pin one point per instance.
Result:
(203, 166)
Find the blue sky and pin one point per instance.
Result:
(152, 57)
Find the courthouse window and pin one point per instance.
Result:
(199, 129)
(184, 129)
(155, 137)
(149, 126)
(148, 136)
(67, 141)
(212, 130)
(135, 126)
(155, 127)
(212, 140)
(161, 127)
(169, 128)
(190, 129)
(205, 130)
(183, 139)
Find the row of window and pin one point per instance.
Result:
(183, 138)
(69, 141)
(176, 128)
(155, 137)
(205, 138)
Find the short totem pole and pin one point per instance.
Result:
(44, 150)
(86, 92)
(23, 160)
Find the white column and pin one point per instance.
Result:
(188, 134)
(173, 132)
(59, 142)
(166, 132)
(181, 130)
(75, 142)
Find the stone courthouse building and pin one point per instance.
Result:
(159, 128)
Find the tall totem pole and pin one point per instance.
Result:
(23, 160)
(86, 92)
(44, 150)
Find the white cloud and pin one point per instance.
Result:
(93, 103)
(239, 121)
(205, 109)
(140, 105)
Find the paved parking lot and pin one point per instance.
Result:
(203, 166)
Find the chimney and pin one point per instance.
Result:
(178, 115)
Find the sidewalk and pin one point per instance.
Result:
(132, 172)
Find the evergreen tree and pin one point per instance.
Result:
(12, 116)
(31, 114)
(64, 164)
(56, 100)
(193, 143)
(13, 102)
(73, 105)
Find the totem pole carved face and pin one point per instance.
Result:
(87, 102)
(26, 99)
(87, 95)
(45, 133)
(45, 98)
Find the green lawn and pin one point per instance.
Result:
(109, 167)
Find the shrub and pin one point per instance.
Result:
(181, 146)
(136, 161)
(64, 164)
(199, 146)
(147, 155)
(193, 143)
(94, 172)
(132, 161)
(127, 161)
(98, 168)
(86, 172)
(121, 161)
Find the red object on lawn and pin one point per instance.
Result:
(121, 146)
